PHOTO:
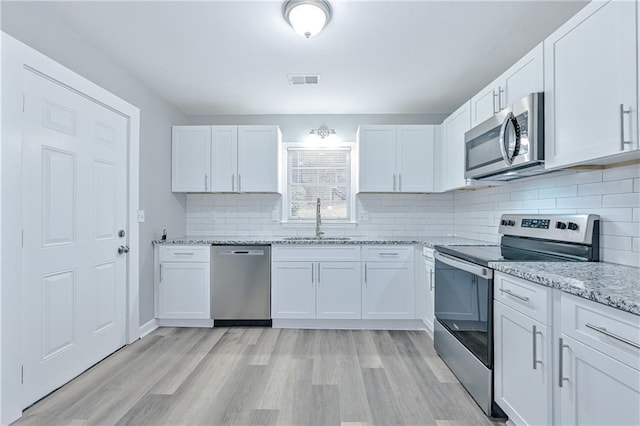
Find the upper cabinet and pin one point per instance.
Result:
(226, 158)
(396, 158)
(591, 96)
(524, 77)
(452, 149)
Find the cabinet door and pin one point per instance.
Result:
(258, 159)
(293, 293)
(191, 158)
(415, 150)
(597, 389)
(376, 145)
(184, 290)
(485, 104)
(524, 393)
(453, 158)
(224, 158)
(388, 290)
(590, 73)
(339, 289)
(524, 77)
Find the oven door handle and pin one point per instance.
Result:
(478, 270)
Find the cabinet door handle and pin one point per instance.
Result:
(561, 347)
(365, 273)
(312, 274)
(233, 182)
(624, 142)
(500, 93)
(394, 182)
(614, 336)
(206, 182)
(239, 182)
(495, 110)
(399, 181)
(510, 293)
(431, 284)
(318, 273)
(161, 272)
(535, 347)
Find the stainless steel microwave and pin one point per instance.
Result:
(508, 145)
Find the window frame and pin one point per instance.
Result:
(351, 199)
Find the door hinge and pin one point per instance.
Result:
(22, 374)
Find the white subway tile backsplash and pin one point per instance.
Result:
(609, 187)
(580, 202)
(631, 199)
(559, 191)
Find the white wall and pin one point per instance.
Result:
(612, 193)
(29, 24)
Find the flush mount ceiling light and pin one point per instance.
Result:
(322, 132)
(307, 17)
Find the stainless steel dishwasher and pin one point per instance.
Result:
(241, 285)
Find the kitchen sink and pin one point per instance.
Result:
(316, 238)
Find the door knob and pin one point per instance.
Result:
(123, 249)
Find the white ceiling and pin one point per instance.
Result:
(374, 57)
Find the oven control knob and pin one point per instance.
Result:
(572, 226)
(561, 225)
(511, 223)
(503, 222)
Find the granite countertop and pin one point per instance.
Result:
(607, 283)
(424, 241)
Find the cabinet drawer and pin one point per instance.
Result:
(611, 331)
(316, 253)
(387, 253)
(185, 253)
(531, 299)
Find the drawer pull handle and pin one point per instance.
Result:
(614, 336)
(161, 272)
(535, 347)
(561, 377)
(510, 293)
(389, 254)
(183, 254)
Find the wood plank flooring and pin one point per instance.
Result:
(264, 376)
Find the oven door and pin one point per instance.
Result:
(464, 304)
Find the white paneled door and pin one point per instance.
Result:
(74, 205)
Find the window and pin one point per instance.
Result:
(323, 173)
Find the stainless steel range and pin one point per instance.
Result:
(463, 330)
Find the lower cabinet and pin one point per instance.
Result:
(338, 291)
(293, 292)
(183, 285)
(522, 366)
(388, 290)
(595, 388)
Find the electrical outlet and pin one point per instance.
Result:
(364, 215)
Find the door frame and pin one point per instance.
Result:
(15, 59)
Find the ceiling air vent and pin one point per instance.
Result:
(303, 80)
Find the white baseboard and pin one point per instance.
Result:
(354, 324)
(148, 327)
(206, 323)
(428, 326)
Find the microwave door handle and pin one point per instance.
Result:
(510, 118)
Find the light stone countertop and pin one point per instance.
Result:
(613, 285)
(424, 241)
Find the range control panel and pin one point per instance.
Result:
(577, 228)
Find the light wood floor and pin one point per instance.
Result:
(263, 376)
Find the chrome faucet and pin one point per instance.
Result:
(319, 233)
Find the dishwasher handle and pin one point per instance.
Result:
(241, 253)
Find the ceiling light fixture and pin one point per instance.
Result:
(323, 132)
(307, 17)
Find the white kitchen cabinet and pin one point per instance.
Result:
(293, 292)
(591, 95)
(226, 159)
(396, 158)
(524, 77)
(338, 291)
(183, 285)
(428, 265)
(522, 367)
(190, 158)
(596, 389)
(316, 282)
(388, 283)
(452, 157)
